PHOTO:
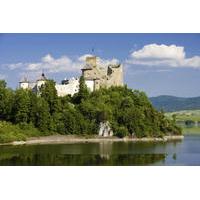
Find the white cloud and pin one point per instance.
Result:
(155, 51)
(47, 59)
(15, 65)
(54, 65)
(163, 55)
(50, 64)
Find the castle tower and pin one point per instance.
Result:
(99, 75)
(24, 83)
(41, 80)
(90, 72)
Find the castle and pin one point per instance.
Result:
(95, 75)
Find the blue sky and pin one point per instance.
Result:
(155, 63)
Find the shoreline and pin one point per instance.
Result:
(69, 139)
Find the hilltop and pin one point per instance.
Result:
(129, 113)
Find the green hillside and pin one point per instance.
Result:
(172, 103)
(130, 113)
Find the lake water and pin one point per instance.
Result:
(186, 152)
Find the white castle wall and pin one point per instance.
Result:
(90, 84)
(24, 85)
(68, 89)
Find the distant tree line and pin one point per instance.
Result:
(128, 111)
(172, 103)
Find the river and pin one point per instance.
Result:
(107, 153)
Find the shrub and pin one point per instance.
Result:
(121, 132)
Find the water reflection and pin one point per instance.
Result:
(105, 149)
(82, 154)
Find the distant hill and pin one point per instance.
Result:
(172, 103)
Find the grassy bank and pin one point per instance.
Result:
(192, 130)
(28, 134)
(10, 132)
(186, 115)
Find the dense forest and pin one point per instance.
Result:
(172, 103)
(24, 114)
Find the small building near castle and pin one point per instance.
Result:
(95, 74)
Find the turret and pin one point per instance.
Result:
(41, 80)
(24, 83)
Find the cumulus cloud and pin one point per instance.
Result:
(14, 65)
(54, 65)
(163, 55)
(50, 64)
(155, 51)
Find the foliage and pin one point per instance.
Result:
(49, 94)
(21, 106)
(83, 91)
(121, 132)
(6, 101)
(128, 111)
(10, 132)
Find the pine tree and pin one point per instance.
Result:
(49, 93)
(83, 91)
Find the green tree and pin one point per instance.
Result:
(42, 115)
(49, 93)
(21, 107)
(33, 107)
(83, 91)
(6, 101)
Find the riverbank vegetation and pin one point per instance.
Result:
(24, 114)
(189, 120)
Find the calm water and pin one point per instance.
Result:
(186, 152)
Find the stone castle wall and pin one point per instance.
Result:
(106, 76)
